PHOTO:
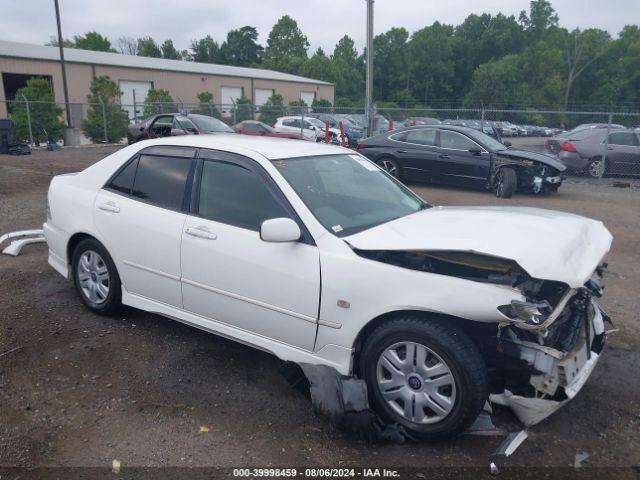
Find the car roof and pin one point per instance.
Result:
(269, 147)
(454, 128)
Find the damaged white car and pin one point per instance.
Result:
(413, 314)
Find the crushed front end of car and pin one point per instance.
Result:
(545, 354)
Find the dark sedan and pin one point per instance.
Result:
(464, 157)
(172, 124)
(253, 127)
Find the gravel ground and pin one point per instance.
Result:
(77, 389)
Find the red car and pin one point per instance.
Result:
(253, 127)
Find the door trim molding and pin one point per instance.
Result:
(151, 270)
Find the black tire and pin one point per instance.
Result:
(505, 183)
(454, 348)
(112, 302)
(390, 166)
(594, 167)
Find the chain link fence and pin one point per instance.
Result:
(591, 143)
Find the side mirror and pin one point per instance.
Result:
(507, 143)
(280, 230)
(475, 151)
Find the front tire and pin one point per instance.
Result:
(425, 375)
(505, 183)
(96, 278)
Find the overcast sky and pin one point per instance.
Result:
(33, 21)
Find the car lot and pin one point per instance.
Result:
(83, 390)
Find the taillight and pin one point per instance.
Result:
(359, 146)
(567, 147)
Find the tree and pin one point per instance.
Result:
(541, 18)
(345, 51)
(93, 41)
(286, 46)
(104, 92)
(498, 83)
(206, 105)
(272, 109)
(243, 110)
(128, 45)
(158, 101)
(66, 42)
(147, 47)
(391, 65)
(169, 51)
(205, 50)
(347, 71)
(44, 113)
(431, 63)
(241, 47)
(321, 103)
(319, 66)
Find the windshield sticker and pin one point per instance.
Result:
(337, 228)
(365, 163)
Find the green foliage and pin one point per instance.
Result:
(103, 89)
(319, 66)
(45, 114)
(158, 101)
(206, 105)
(243, 110)
(272, 109)
(391, 62)
(321, 103)
(241, 47)
(93, 41)
(286, 46)
(205, 50)
(169, 51)
(147, 47)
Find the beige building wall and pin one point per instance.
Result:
(182, 86)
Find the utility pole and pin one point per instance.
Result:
(64, 71)
(369, 85)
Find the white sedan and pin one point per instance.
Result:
(313, 253)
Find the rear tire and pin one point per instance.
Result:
(596, 168)
(96, 278)
(390, 166)
(445, 382)
(506, 183)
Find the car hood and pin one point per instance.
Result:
(548, 245)
(535, 156)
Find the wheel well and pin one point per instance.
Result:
(480, 333)
(75, 239)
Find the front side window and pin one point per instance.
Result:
(425, 136)
(235, 195)
(183, 123)
(347, 193)
(162, 180)
(455, 141)
(622, 138)
(210, 124)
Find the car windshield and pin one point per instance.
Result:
(210, 124)
(488, 141)
(347, 193)
(316, 122)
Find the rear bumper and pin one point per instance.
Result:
(57, 244)
(573, 161)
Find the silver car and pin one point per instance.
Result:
(584, 150)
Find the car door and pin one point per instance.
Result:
(161, 126)
(623, 153)
(140, 214)
(417, 153)
(462, 161)
(232, 276)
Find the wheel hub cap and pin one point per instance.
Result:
(416, 383)
(93, 277)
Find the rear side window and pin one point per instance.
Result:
(422, 137)
(123, 181)
(232, 194)
(162, 180)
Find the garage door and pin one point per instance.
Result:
(128, 88)
(308, 97)
(228, 95)
(262, 95)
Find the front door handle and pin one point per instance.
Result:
(403, 151)
(201, 232)
(109, 207)
(443, 155)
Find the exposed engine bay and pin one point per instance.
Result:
(533, 176)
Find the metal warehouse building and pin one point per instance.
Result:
(136, 75)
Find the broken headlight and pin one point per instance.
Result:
(531, 313)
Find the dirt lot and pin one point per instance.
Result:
(82, 390)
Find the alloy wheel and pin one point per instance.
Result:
(93, 277)
(596, 168)
(389, 166)
(416, 383)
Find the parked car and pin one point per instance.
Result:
(553, 144)
(462, 156)
(172, 124)
(483, 126)
(313, 253)
(380, 124)
(310, 131)
(352, 131)
(254, 127)
(583, 150)
(413, 121)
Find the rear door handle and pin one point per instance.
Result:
(443, 155)
(109, 207)
(201, 232)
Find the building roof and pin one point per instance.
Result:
(74, 55)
